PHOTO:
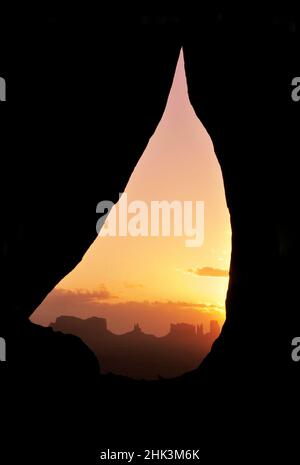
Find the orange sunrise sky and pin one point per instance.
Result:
(158, 280)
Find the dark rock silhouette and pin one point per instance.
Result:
(139, 355)
(85, 93)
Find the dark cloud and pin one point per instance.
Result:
(79, 298)
(209, 271)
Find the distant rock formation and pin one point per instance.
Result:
(139, 355)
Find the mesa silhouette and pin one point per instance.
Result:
(139, 355)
